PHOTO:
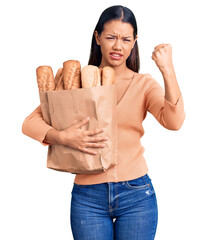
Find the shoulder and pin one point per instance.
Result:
(142, 76)
(145, 81)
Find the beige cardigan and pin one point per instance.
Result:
(134, 98)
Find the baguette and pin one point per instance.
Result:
(45, 78)
(59, 80)
(90, 76)
(108, 76)
(71, 74)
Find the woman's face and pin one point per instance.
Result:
(117, 37)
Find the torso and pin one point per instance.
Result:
(123, 83)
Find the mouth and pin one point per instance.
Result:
(116, 56)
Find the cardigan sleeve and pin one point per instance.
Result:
(35, 127)
(170, 116)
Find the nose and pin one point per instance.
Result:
(117, 44)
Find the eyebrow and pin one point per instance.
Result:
(114, 36)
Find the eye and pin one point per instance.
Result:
(124, 39)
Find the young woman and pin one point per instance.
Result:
(121, 202)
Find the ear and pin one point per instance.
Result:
(97, 37)
(135, 41)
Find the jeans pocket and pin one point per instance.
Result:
(139, 183)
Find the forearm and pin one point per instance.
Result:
(172, 90)
(35, 127)
(169, 109)
(53, 136)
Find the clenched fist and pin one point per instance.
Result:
(162, 55)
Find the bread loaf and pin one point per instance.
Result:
(108, 76)
(71, 74)
(90, 76)
(45, 78)
(59, 80)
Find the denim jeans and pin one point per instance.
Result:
(124, 210)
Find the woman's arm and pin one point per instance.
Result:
(167, 107)
(35, 127)
(172, 90)
(52, 137)
(170, 114)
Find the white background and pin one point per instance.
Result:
(35, 201)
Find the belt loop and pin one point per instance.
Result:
(145, 178)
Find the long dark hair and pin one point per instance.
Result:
(113, 13)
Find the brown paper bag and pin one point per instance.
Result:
(63, 108)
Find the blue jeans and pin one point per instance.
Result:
(124, 210)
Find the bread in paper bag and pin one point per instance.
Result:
(67, 107)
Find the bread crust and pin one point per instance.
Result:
(45, 78)
(59, 80)
(108, 76)
(90, 76)
(71, 74)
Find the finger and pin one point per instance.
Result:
(165, 45)
(88, 151)
(96, 139)
(160, 50)
(94, 131)
(157, 52)
(95, 145)
(82, 122)
(154, 55)
(159, 46)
